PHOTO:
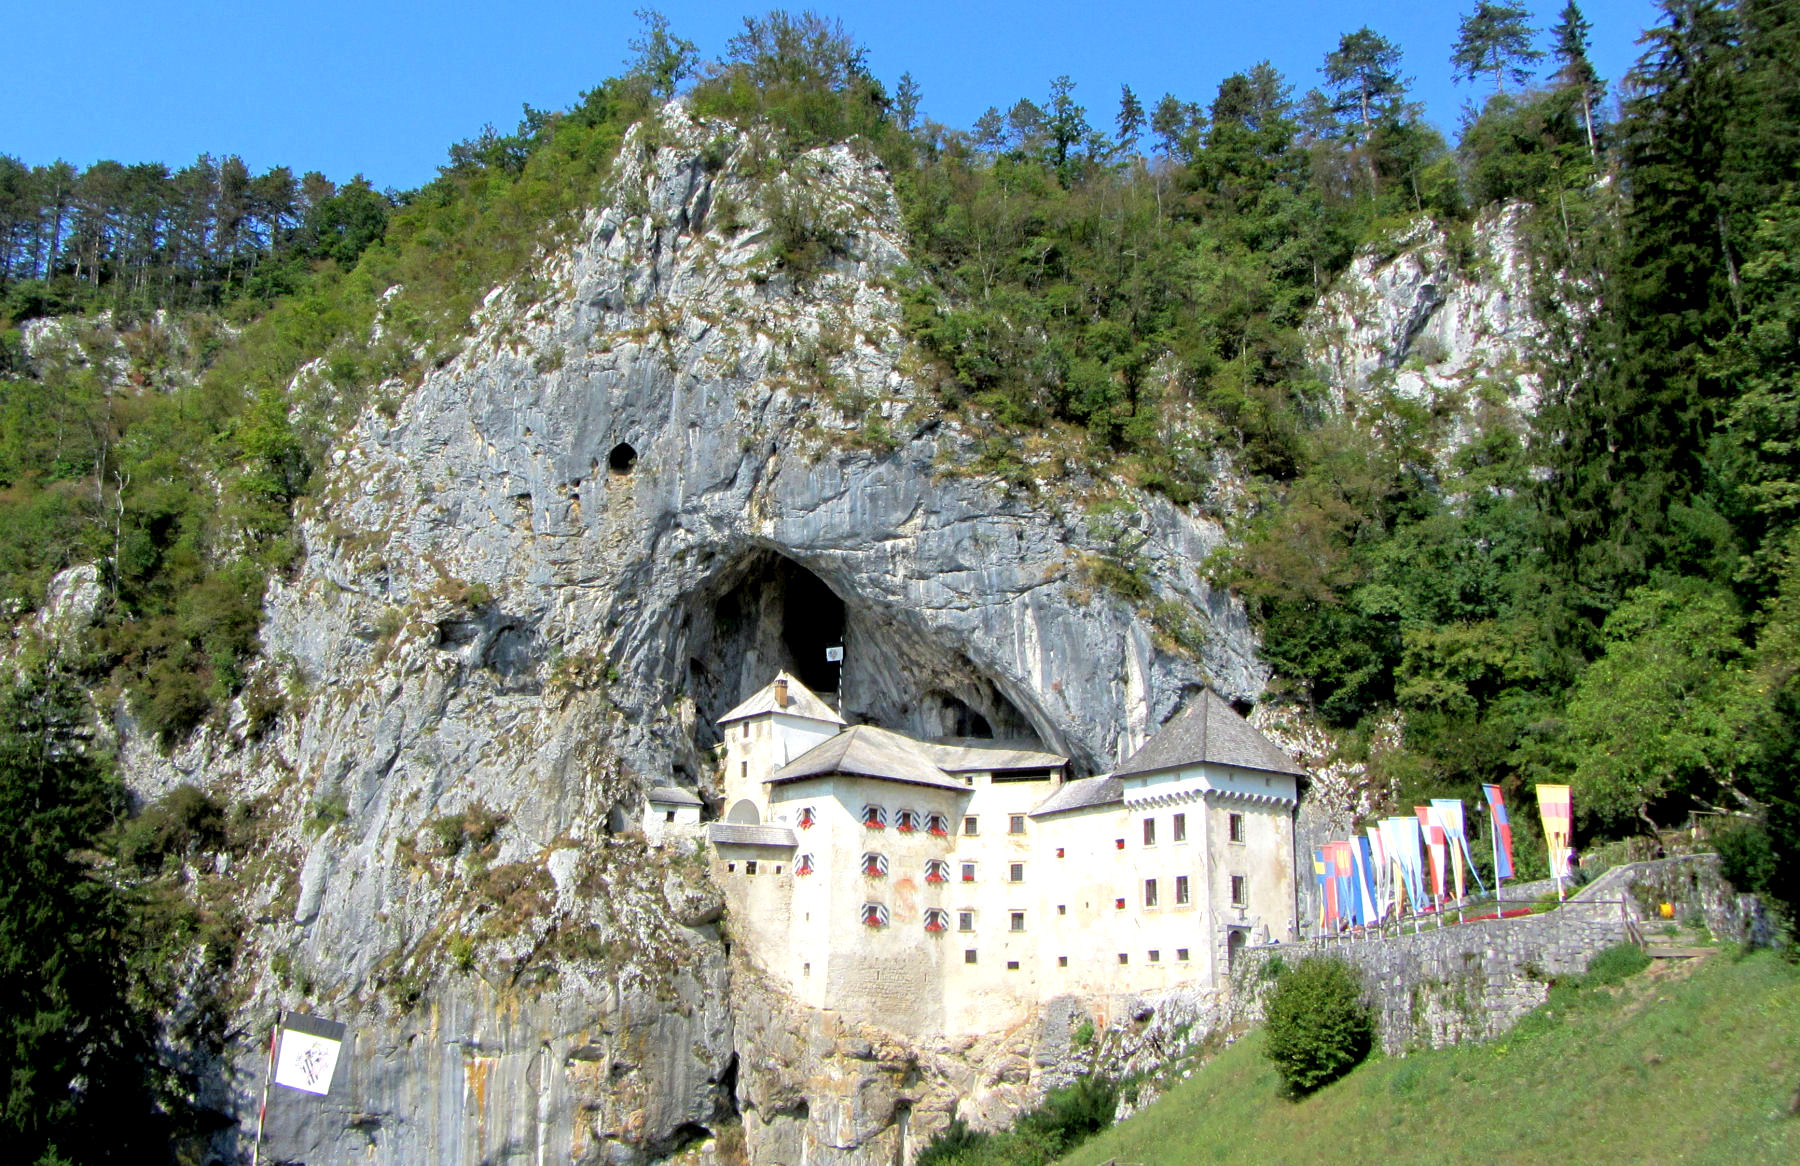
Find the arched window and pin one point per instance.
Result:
(807, 819)
(936, 826)
(937, 871)
(874, 866)
(805, 865)
(937, 919)
(874, 818)
(874, 915)
(906, 821)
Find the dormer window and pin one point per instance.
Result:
(874, 866)
(807, 818)
(937, 871)
(906, 821)
(936, 826)
(874, 818)
(874, 915)
(937, 919)
(805, 865)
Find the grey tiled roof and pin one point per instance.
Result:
(866, 751)
(801, 703)
(733, 832)
(1080, 794)
(673, 795)
(964, 756)
(1208, 730)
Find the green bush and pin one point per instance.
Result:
(1616, 963)
(1317, 1025)
(1069, 1116)
(183, 820)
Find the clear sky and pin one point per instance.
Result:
(382, 87)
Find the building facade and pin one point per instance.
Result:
(955, 886)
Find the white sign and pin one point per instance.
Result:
(834, 655)
(305, 1059)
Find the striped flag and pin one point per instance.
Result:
(1365, 881)
(1384, 882)
(1450, 812)
(1557, 809)
(1503, 859)
(1436, 847)
(1321, 875)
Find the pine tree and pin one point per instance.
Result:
(1130, 122)
(1495, 38)
(1364, 74)
(1575, 71)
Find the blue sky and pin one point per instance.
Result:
(382, 88)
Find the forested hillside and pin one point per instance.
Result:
(1607, 593)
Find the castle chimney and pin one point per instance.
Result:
(781, 692)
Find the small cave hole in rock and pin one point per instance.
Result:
(1243, 707)
(622, 459)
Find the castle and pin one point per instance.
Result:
(955, 886)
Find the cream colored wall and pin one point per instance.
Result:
(759, 905)
(756, 747)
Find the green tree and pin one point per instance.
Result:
(1496, 39)
(1130, 122)
(1363, 73)
(662, 60)
(1315, 1024)
(1574, 71)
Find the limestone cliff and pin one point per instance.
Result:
(658, 470)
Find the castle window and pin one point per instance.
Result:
(1181, 890)
(936, 826)
(1062, 961)
(968, 872)
(937, 871)
(805, 865)
(1240, 891)
(969, 825)
(1149, 831)
(806, 969)
(750, 867)
(1123, 958)
(744, 770)
(1059, 852)
(874, 915)
(874, 866)
(1234, 827)
(874, 818)
(1149, 892)
(668, 815)
(807, 819)
(1015, 873)
(905, 821)
(937, 919)
(778, 868)
(965, 920)
(746, 730)
(1118, 904)
(1012, 965)
(1018, 921)
(1062, 908)
(1118, 844)
(1015, 824)
(1181, 953)
(1155, 956)
(968, 955)
(1180, 827)
(731, 868)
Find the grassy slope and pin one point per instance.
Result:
(1668, 1067)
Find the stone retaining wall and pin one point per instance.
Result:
(1473, 981)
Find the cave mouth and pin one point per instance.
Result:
(622, 459)
(764, 612)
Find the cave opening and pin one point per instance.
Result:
(622, 459)
(762, 612)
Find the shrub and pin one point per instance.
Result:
(1614, 964)
(1318, 1028)
(183, 820)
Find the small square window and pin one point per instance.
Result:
(731, 868)
(1149, 831)
(1181, 953)
(1234, 827)
(806, 969)
(1149, 892)
(1016, 872)
(1012, 965)
(746, 730)
(968, 955)
(1062, 961)
(778, 868)
(1118, 844)
(1155, 956)
(1123, 958)
(968, 872)
(750, 867)
(668, 815)
(965, 920)
(1181, 890)
(969, 825)
(1018, 920)
(1015, 824)
(1240, 891)
(1180, 827)
(1059, 852)
(1119, 904)
(1062, 908)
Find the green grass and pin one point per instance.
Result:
(1662, 1068)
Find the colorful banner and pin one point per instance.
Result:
(1384, 875)
(1322, 876)
(1365, 880)
(1435, 850)
(1450, 811)
(1339, 859)
(1405, 844)
(1502, 829)
(1558, 812)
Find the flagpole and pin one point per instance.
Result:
(262, 1110)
